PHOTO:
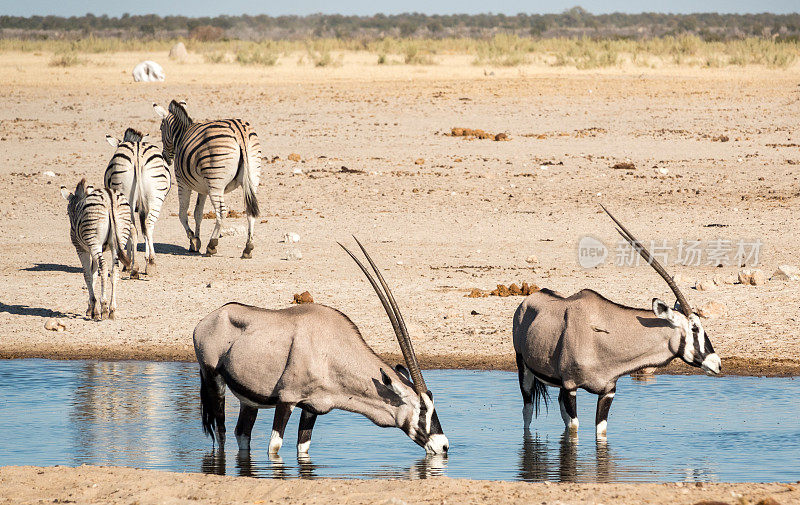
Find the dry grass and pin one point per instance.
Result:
(501, 50)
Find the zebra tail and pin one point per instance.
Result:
(115, 236)
(250, 200)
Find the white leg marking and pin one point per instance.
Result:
(601, 428)
(244, 442)
(527, 415)
(302, 448)
(573, 424)
(275, 442)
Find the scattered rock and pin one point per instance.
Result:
(345, 170)
(178, 52)
(297, 171)
(501, 137)
(626, 165)
(532, 259)
(234, 213)
(504, 291)
(54, 324)
(290, 237)
(712, 310)
(786, 273)
(304, 297)
(294, 157)
(49, 173)
(752, 277)
(705, 285)
(768, 501)
(419, 161)
(720, 138)
(711, 502)
(682, 279)
(728, 279)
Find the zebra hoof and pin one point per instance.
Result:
(194, 244)
(211, 248)
(135, 273)
(248, 251)
(150, 268)
(112, 315)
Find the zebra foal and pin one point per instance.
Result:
(211, 158)
(138, 171)
(100, 220)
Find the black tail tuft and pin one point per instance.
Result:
(540, 394)
(250, 200)
(207, 403)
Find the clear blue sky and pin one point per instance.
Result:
(360, 7)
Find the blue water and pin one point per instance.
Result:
(146, 415)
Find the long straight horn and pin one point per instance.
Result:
(685, 307)
(390, 306)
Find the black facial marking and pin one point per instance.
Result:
(698, 353)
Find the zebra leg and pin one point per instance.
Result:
(601, 416)
(282, 413)
(101, 261)
(568, 401)
(307, 420)
(218, 202)
(149, 252)
(88, 276)
(244, 426)
(184, 194)
(198, 218)
(112, 308)
(249, 246)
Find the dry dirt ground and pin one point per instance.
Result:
(466, 216)
(102, 485)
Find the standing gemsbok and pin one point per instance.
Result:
(211, 158)
(586, 341)
(312, 357)
(100, 219)
(138, 171)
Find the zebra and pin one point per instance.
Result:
(100, 219)
(211, 158)
(138, 171)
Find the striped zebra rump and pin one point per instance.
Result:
(100, 219)
(138, 170)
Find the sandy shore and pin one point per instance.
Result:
(89, 485)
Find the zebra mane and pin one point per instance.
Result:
(80, 189)
(132, 135)
(179, 111)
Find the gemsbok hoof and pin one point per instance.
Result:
(248, 251)
(211, 248)
(135, 273)
(194, 244)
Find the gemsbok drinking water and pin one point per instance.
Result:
(138, 171)
(100, 220)
(211, 158)
(312, 357)
(586, 341)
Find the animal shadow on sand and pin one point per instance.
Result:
(25, 310)
(167, 249)
(53, 267)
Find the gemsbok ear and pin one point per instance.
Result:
(662, 311)
(65, 193)
(387, 381)
(403, 371)
(160, 110)
(113, 141)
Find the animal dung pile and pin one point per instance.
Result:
(231, 213)
(294, 157)
(503, 291)
(625, 165)
(304, 297)
(469, 133)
